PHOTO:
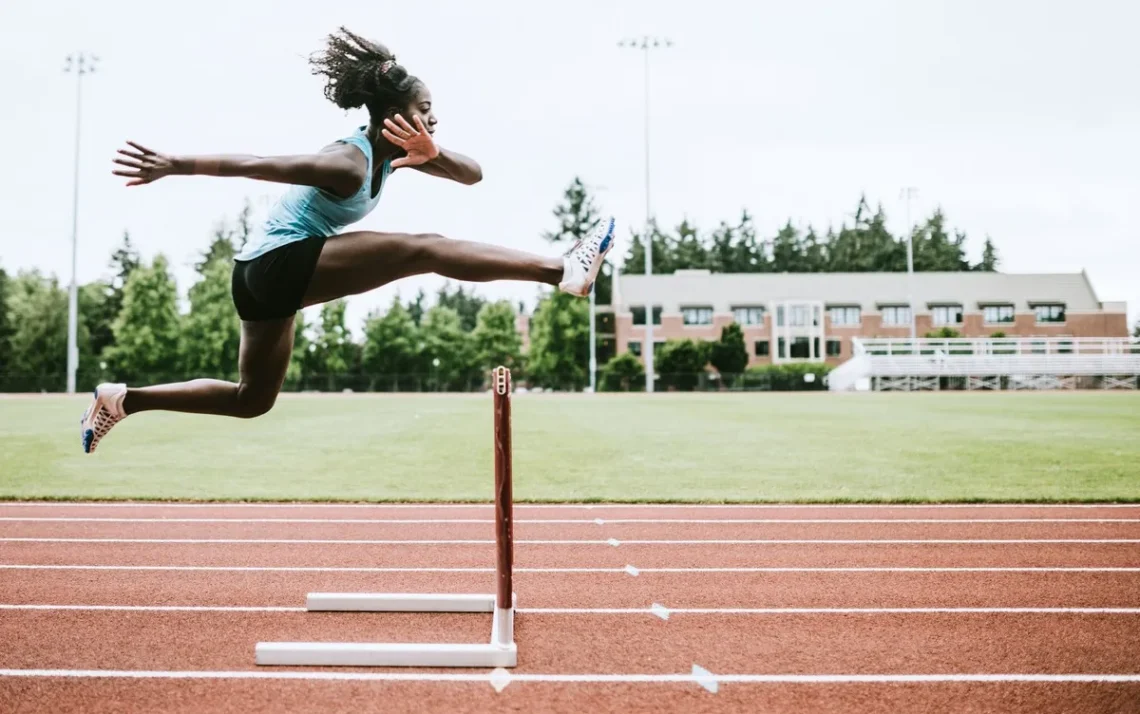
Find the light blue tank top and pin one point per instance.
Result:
(305, 211)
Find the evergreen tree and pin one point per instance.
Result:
(729, 355)
(466, 304)
(990, 259)
(416, 307)
(334, 354)
(212, 330)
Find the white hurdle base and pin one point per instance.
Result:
(500, 652)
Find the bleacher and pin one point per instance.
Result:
(989, 363)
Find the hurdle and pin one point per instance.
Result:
(501, 651)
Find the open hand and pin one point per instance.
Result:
(417, 142)
(146, 165)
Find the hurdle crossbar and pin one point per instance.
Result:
(501, 651)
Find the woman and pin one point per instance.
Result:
(299, 259)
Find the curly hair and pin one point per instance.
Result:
(362, 73)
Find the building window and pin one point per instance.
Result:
(639, 315)
(697, 315)
(834, 348)
(782, 348)
(801, 348)
(762, 348)
(815, 314)
(635, 349)
(748, 315)
(845, 316)
(1049, 313)
(997, 314)
(895, 315)
(946, 315)
(780, 318)
(798, 316)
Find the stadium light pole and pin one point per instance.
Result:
(645, 44)
(908, 193)
(80, 64)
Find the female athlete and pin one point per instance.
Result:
(299, 258)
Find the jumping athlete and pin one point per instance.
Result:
(299, 258)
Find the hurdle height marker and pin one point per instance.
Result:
(500, 652)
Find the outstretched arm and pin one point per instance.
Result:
(423, 154)
(340, 171)
(451, 165)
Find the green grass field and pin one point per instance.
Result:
(668, 447)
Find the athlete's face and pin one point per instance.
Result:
(421, 106)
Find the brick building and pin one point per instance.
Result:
(813, 316)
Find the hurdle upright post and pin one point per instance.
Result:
(504, 507)
(501, 651)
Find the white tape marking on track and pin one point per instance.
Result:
(704, 678)
(485, 677)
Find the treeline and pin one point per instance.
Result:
(864, 245)
(132, 328)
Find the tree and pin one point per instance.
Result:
(990, 259)
(1136, 332)
(212, 331)
(681, 362)
(391, 347)
(466, 304)
(334, 354)
(6, 329)
(447, 351)
(37, 343)
(147, 329)
(416, 307)
(560, 343)
(728, 354)
(623, 373)
(496, 339)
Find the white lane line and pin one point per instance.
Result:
(557, 506)
(609, 542)
(485, 677)
(569, 521)
(626, 570)
(656, 609)
(705, 678)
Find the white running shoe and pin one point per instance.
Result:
(583, 261)
(106, 410)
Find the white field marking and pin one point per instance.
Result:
(656, 610)
(569, 521)
(539, 506)
(486, 677)
(609, 542)
(626, 570)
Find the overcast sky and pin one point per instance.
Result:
(1019, 117)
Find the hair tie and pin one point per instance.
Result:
(387, 65)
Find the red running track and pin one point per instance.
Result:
(976, 608)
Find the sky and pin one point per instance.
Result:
(1018, 117)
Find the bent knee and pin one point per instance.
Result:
(254, 401)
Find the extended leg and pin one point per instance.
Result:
(357, 262)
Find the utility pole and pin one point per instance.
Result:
(908, 193)
(645, 44)
(80, 64)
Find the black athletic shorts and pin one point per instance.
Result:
(272, 286)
